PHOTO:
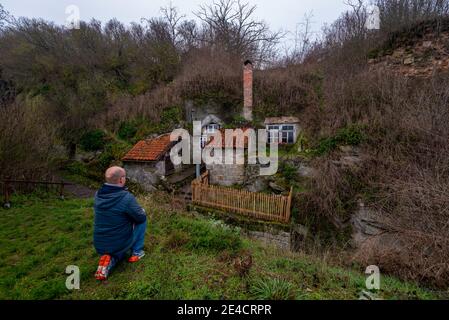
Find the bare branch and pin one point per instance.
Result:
(231, 25)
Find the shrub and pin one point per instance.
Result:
(113, 153)
(288, 172)
(93, 140)
(127, 130)
(207, 236)
(77, 168)
(351, 135)
(27, 141)
(271, 289)
(171, 116)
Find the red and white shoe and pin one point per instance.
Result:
(136, 257)
(104, 266)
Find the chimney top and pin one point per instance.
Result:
(247, 62)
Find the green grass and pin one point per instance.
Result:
(187, 258)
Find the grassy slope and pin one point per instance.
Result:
(187, 257)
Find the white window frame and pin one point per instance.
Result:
(273, 134)
(287, 132)
(212, 128)
(284, 134)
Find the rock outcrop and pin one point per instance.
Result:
(421, 51)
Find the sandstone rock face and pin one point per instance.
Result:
(350, 157)
(257, 185)
(299, 236)
(425, 57)
(277, 188)
(87, 157)
(254, 182)
(409, 61)
(366, 224)
(369, 231)
(303, 168)
(427, 44)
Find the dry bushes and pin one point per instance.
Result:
(415, 212)
(286, 91)
(26, 142)
(148, 106)
(211, 73)
(403, 172)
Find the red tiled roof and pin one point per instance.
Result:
(149, 150)
(227, 144)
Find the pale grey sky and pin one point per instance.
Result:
(279, 14)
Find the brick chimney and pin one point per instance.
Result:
(248, 91)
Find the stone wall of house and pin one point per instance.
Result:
(298, 130)
(147, 175)
(226, 174)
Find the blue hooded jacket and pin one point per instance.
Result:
(116, 212)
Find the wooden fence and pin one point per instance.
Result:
(10, 186)
(254, 205)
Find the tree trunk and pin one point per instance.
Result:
(72, 151)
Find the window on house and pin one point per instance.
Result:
(273, 134)
(288, 134)
(281, 134)
(212, 128)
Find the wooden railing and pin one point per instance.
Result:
(251, 204)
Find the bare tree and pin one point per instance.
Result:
(172, 17)
(303, 39)
(167, 26)
(356, 18)
(231, 25)
(188, 33)
(400, 13)
(5, 17)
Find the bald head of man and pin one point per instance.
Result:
(116, 175)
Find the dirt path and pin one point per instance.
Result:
(78, 191)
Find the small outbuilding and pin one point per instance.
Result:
(149, 161)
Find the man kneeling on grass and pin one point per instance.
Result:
(120, 223)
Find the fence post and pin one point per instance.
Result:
(61, 191)
(254, 203)
(7, 204)
(289, 205)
